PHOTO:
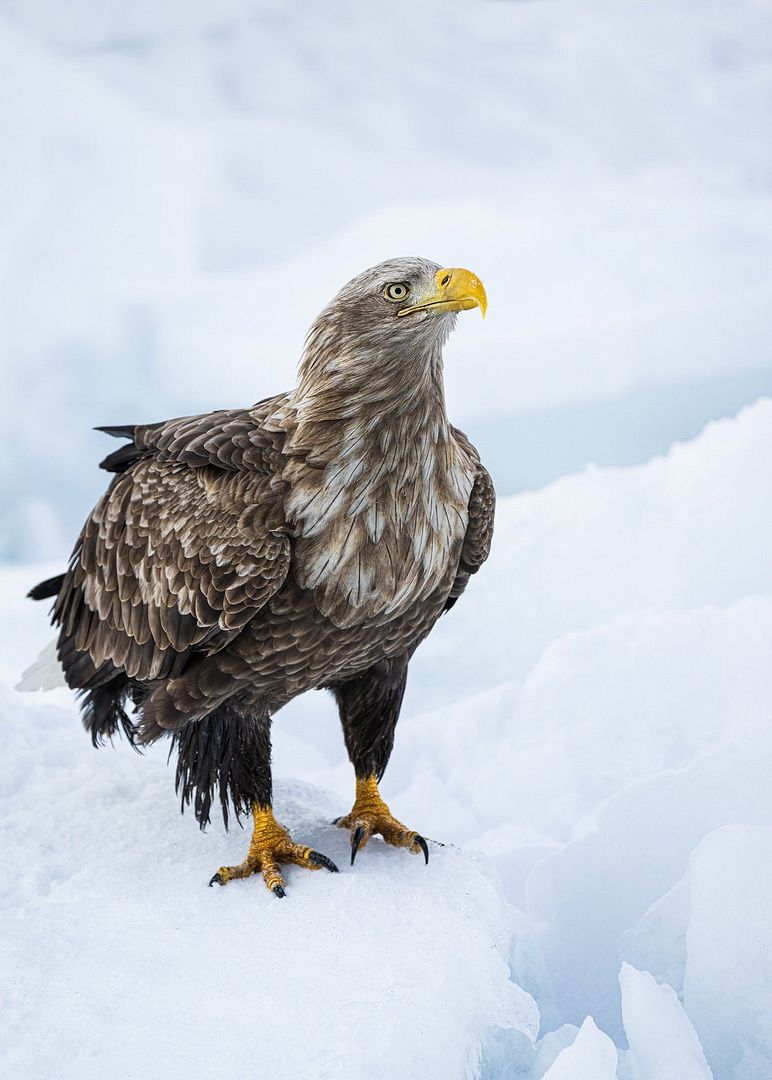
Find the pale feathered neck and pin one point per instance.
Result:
(348, 391)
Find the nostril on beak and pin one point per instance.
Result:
(445, 280)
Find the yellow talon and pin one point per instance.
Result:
(370, 815)
(270, 845)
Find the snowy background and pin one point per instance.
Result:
(182, 187)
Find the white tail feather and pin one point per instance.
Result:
(45, 674)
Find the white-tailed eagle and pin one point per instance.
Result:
(244, 556)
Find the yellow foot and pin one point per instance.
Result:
(271, 845)
(370, 815)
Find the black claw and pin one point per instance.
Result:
(335, 821)
(423, 846)
(322, 860)
(278, 890)
(356, 840)
(215, 879)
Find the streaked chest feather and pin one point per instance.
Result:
(380, 526)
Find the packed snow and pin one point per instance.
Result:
(120, 962)
(602, 905)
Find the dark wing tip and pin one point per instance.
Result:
(47, 588)
(122, 459)
(118, 431)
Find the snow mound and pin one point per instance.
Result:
(121, 962)
(631, 852)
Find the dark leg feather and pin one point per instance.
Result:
(369, 709)
(228, 754)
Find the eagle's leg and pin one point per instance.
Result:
(270, 846)
(369, 709)
(231, 749)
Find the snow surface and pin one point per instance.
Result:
(587, 731)
(120, 962)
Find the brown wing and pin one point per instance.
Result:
(185, 547)
(479, 533)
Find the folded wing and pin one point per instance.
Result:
(186, 546)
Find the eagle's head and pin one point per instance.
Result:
(412, 289)
(403, 299)
(400, 309)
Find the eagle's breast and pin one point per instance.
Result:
(379, 527)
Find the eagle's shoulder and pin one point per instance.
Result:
(463, 440)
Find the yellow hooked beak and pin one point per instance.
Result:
(455, 290)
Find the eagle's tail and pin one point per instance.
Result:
(45, 674)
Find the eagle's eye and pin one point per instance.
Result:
(398, 290)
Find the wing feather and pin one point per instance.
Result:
(186, 546)
(479, 532)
